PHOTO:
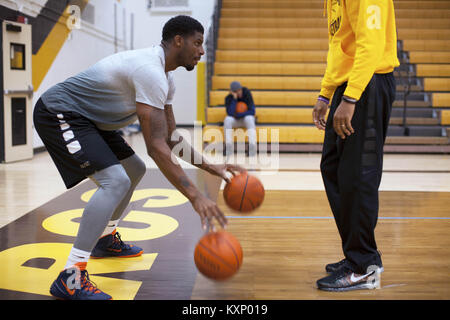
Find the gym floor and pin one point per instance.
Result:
(286, 242)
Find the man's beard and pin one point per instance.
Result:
(189, 67)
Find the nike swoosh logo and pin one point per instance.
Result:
(356, 279)
(71, 292)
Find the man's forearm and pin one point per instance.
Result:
(173, 171)
(195, 158)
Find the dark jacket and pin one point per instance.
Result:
(230, 103)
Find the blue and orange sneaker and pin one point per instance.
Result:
(112, 245)
(74, 284)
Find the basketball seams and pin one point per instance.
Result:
(252, 205)
(217, 256)
(234, 252)
(258, 194)
(243, 193)
(233, 191)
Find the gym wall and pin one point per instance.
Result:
(61, 48)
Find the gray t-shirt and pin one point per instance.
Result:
(106, 93)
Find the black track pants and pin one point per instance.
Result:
(351, 170)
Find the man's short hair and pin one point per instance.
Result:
(181, 25)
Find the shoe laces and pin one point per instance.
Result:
(344, 270)
(87, 284)
(340, 263)
(118, 243)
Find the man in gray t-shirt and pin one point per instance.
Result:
(107, 92)
(77, 119)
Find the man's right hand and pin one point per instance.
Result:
(234, 94)
(319, 112)
(155, 132)
(207, 210)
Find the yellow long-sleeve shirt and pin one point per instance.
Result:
(362, 41)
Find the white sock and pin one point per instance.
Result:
(112, 225)
(75, 256)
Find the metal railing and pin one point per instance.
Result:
(211, 45)
(406, 75)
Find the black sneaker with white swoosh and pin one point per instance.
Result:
(344, 279)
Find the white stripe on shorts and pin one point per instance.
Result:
(68, 135)
(74, 146)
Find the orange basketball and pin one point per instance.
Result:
(218, 255)
(241, 107)
(244, 193)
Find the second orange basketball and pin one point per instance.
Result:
(218, 255)
(244, 193)
(241, 107)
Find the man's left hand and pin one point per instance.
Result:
(342, 119)
(221, 170)
(234, 94)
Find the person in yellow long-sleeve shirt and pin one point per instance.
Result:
(359, 82)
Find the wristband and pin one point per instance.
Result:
(322, 98)
(349, 100)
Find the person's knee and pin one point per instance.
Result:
(114, 180)
(228, 122)
(120, 183)
(249, 121)
(140, 168)
(135, 168)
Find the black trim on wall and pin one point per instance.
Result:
(45, 20)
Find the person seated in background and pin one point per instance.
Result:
(240, 114)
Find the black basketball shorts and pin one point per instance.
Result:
(78, 148)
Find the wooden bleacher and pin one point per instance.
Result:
(278, 48)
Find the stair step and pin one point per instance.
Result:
(304, 116)
(420, 96)
(274, 69)
(401, 88)
(319, 22)
(318, 4)
(415, 131)
(441, 100)
(412, 104)
(277, 56)
(272, 44)
(268, 82)
(429, 57)
(318, 13)
(426, 45)
(271, 98)
(414, 113)
(277, 33)
(414, 121)
(402, 140)
(388, 148)
(282, 83)
(437, 84)
(267, 115)
(272, 4)
(445, 118)
(296, 33)
(279, 133)
(433, 70)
